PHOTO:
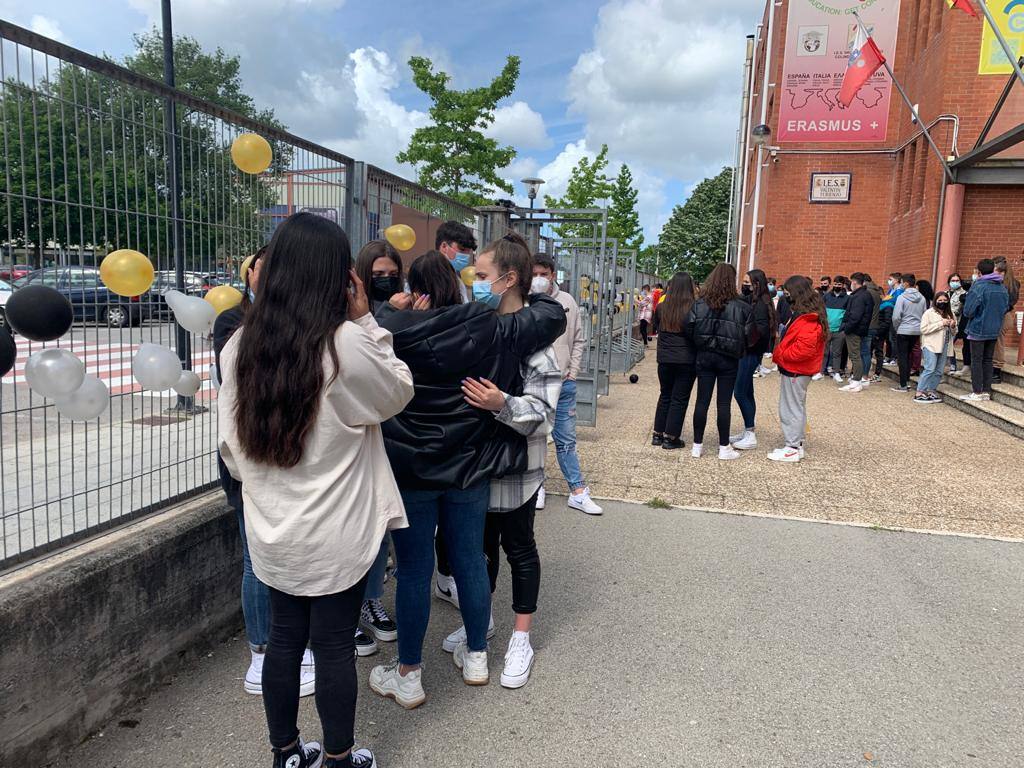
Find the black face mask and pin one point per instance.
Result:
(383, 288)
(823, 288)
(838, 291)
(942, 305)
(747, 290)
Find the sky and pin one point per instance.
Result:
(659, 81)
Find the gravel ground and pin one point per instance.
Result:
(874, 458)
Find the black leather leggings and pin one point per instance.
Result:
(513, 531)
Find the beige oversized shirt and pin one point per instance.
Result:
(569, 346)
(315, 528)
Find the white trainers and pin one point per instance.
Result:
(818, 376)
(254, 675)
(697, 450)
(307, 675)
(737, 437)
(542, 498)
(584, 503)
(445, 589)
(727, 453)
(518, 661)
(790, 455)
(865, 382)
(449, 644)
(473, 665)
(853, 386)
(837, 378)
(976, 397)
(406, 690)
(746, 442)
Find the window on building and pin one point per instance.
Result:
(897, 188)
(908, 178)
(923, 18)
(920, 173)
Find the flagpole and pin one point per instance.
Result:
(1014, 61)
(910, 106)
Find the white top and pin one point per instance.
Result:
(315, 528)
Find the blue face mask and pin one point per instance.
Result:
(460, 262)
(482, 292)
(771, 290)
(955, 285)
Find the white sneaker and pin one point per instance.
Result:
(818, 376)
(449, 644)
(837, 378)
(307, 675)
(445, 589)
(790, 455)
(406, 690)
(745, 443)
(865, 382)
(737, 437)
(727, 453)
(542, 498)
(976, 397)
(853, 386)
(254, 675)
(473, 665)
(518, 661)
(584, 503)
(697, 450)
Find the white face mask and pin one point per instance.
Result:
(540, 285)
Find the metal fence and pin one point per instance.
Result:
(84, 171)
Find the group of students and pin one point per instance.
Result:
(362, 407)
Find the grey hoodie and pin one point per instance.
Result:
(906, 316)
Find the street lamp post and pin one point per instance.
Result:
(532, 187)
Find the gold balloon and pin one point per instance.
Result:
(223, 297)
(468, 275)
(251, 153)
(127, 272)
(244, 269)
(401, 236)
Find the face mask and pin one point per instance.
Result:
(482, 292)
(838, 291)
(891, 282)
(942, 305)
(460, 261)
(771, 290)
(771, 286)
(822, 289)
(540, 285)
(747, 290)
(974, 276)
(955, 285)
(383, 288)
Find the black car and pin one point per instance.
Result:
(90, 298)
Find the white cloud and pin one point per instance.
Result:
(520, 126)
(47, 27)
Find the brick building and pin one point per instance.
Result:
(903, 213)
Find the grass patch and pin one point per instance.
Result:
(658, 503)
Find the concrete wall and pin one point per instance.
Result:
(88, 631)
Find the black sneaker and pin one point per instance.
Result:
(376, 619)
(997, 376)
(365, 645)
(358, 758)
(672, 444)
(300, 756)
(657, 439)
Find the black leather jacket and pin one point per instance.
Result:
(440, 442)
(728, 332)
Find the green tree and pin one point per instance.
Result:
(587, 188)
(452, 155)
(623, 217)
(693, 239)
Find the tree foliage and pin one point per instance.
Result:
(588, 187)
(452, 155)
(623, 217)
(693, 239)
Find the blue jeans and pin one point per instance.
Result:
(375, 577)
(255, 597)
(744, 388)
(462, 522)
(866, 345)
(932, 374)
(564, 435)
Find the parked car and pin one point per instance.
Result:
(14, 271)
(90, 299)
(5, 293)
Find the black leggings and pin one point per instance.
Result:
(328, 623)
(514, 532)
(904, 346)
(711, 369)
(643, 331)
(676, 386)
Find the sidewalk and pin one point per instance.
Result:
(677, 638)
(874, 458)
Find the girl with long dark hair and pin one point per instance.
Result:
(798, 355)
(938, 327)
(379, 266)
(677, 362)
(721, 326)
(308, 379)
(755, 292)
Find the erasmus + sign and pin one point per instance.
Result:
(819, 36)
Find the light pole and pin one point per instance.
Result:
(532, 186)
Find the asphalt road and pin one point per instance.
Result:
(671, 638)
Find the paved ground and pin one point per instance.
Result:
(874, 457)
(679, 638)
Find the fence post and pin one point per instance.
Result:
(355, 204)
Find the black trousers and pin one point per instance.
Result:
(643, 331)
(982, 363)
(676, 386)
(904, 346)
(513, 532)
(878, 343)
(328, 624)
(714, 369)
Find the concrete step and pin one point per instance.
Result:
(1011, 395)
(1012, 374)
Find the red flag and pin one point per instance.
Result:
(966, 7)
(865, 59)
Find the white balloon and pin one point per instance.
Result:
(188, 384)
(155, 367)
(85, 403)
(192, 313)
(54, 372)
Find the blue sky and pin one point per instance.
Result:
(657, 80)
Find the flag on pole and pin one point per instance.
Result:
(965, 6)
(865, 59)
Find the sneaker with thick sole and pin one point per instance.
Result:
(727, 453)
(376, 619)
(254, 675)
(818, 377)
(697, 450)
(921, 397)
(445, 589)
(837, 378)
(584, 503)
(976, 397)
(449, 644)
(542, 498)
(307, 674)
(407, 691)
(473, 665)
(361, 758)
(745, 443)
(934, 397)
(865, 382)
(737, 437)
(657, 439)
(672, 444)
(899, 389)
(301, 755)
(788, 455)
(365, 644)
(853, 386)
(518, 661)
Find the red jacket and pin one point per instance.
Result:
(800, 350)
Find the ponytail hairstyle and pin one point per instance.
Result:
(511, 254)
(805, 300)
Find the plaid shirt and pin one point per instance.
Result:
(531, 414)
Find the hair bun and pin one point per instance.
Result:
(515, 237)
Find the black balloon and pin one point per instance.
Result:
(39, 313)
(633, 378)
(8, 351)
